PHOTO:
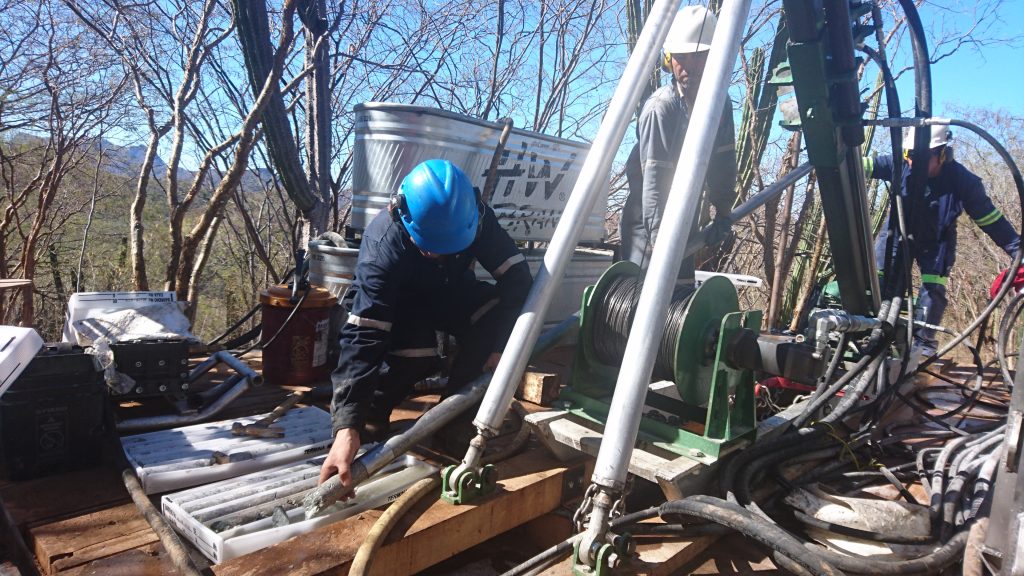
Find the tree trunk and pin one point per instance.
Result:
(254, 35)
(781, 269)
(318, 110)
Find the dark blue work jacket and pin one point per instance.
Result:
(931, 218)
(394, 283)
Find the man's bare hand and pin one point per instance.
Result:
(339, 459)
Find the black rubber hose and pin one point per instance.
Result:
(932, 563)
(856, 532)
(236, 325)
(922, 99)
(544, 558)
(750, 525)
(1006, 325)
(897, 219)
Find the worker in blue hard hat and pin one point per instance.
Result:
(931, 226)
(414, 277)
(661, 128)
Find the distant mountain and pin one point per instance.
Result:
(127, 160)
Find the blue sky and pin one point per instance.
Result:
(990, 76)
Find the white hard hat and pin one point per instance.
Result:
(691, 30)
(940, 136)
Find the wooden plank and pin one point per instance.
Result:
(82, 539)
(539, 386)
(531, 485)
(52, 498)
(150, 560)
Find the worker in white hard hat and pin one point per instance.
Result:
(661, 128)
(930, 218)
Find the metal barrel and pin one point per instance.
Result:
(332, 268)
(535, 176)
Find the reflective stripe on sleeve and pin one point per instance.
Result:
(369, 323)
(512, 261)
(934, 279)
(483, 310)
(989, 218)
(869, 166)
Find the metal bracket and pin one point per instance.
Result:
(465, 486)
(609, 556)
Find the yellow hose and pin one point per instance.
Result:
(364, 556)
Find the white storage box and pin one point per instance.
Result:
(235, 517)
(174, 459)
(18, 346)
(89, 304)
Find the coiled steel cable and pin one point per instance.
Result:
(614, 317)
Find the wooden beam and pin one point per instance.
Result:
(68, 543)
(530, 485)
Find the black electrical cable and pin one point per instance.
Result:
(295, 310)
(236, 325)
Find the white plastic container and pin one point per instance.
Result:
(181, 457)
(18, 346)
(228, 519)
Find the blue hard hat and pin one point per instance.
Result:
(440, 208)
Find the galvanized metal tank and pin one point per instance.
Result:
(331, 267)
(536, 173)
(583, 270)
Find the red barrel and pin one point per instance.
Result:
(298, 355)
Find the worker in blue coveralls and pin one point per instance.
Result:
(414, 277)
(931, 225)
(661, 127)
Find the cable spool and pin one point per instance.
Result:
(692, 321)
(617, 305)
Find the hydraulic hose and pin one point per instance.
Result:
(897, 220)
(1006, 325)
(540, 561)
(922, 97)
(750, 525)
(386, 523)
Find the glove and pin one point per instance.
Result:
(719, 230)
(1018, 282)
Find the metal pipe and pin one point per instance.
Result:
(769, 193)
(236, 364)
(593, 175)
(174, 420)
(384, 453)
(683, 202)
(430, 422)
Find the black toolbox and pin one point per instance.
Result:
(52, 417)
(159, 367)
